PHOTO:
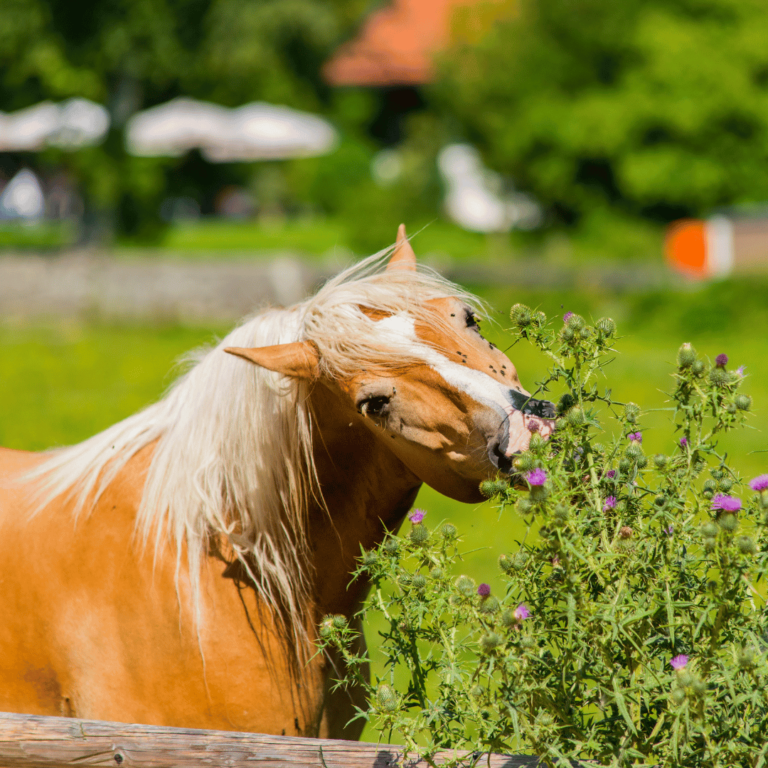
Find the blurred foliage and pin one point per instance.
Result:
(133, 54)
(656, 109)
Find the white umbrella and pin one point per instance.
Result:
(71, 124)
(174, 128)
(255, 131)
(260, 131)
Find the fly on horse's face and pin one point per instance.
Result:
(455, 416)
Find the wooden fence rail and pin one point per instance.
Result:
(30, 741)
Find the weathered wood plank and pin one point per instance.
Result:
(30, 741)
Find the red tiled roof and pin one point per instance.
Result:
(396, 44)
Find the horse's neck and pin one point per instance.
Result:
(367, 491)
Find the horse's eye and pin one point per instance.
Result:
(373, 406)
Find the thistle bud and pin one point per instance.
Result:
(746, 545)
(719, 377)
(624, 466)
(565, 403)
(625, 532)
(405, 580)
(605, 326)
(419, 534)
(488, 488)
(725, 484)
(743, 402)
(730, 408)
(567, 334)
(677, 696)
(686, 356)
(490, 642)
(391, 546)
(525, 507)
(326, 627)
(539, 493)
(660, 500)
(576, 322)
(386, 698)
(575, 417)
(520, 315)
(339, 621)
(436, 573)
(660, 460)
(631, 412)
(540, 318)
(465, 586)
(448, 531)
(489, 605)
(419, 581)
(710, 529)
(505, 563)
(508, 619)
(699, 688)
(527, 642)
(524, 462)
(710, 543)
(728, 522)
(520, 560)
(369, 558)
(633, 450)
(698, 367)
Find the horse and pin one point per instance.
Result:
(172, 570)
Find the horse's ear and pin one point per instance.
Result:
(403, 256)
(298, 359)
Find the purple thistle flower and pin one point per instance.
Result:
(726, 503)
(636, 437)
(417, 516)
(521, 612)
(740, 370)
(683, 441)
(484, 590)
(609, 503)
(533, 425)
(721, 360)
(759, 483)
(669, 530)
(567, 316)
(679, 662)
(610, 474)
(537, 477)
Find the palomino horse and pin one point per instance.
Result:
(173, 568)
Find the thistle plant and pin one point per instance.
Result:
(631, 629)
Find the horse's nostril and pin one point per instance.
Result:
(499, 459)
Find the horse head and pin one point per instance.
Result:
(438, 395)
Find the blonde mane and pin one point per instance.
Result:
(233, 442)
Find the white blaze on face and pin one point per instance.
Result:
(478, 385)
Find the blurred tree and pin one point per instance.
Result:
(132, 54)
(656, 108)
